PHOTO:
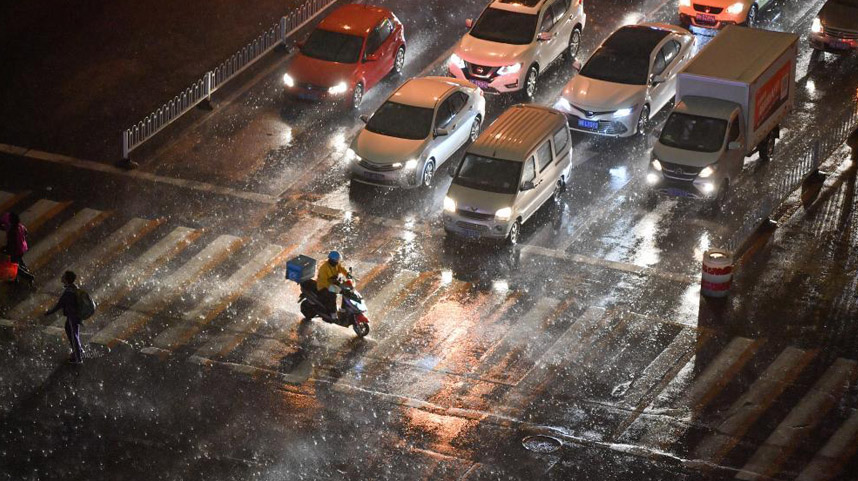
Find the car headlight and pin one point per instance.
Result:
(504, 214)
(684, 3)
(509, 69)
(288, 80)
(656, 165)
(339, 88)
(449, 204)
(351, 154)
(706, 172)
(457, 61)
(411, 164)
(624, 112)
(816, 26)
(562, 104)
(736, 8)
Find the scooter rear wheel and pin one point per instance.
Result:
(307, 311)
(361, 328)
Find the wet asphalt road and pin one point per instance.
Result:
(592, 332)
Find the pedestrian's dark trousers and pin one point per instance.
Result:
(23, 271)
(329, 299)
(73, 333)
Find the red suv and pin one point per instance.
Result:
(349, 52)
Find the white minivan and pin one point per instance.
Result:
(519, 162)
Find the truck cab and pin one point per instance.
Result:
(701, 149)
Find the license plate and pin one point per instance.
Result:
(674, 192)
(588, 124)
(704, 18)
(839, 45)
(470, 234)
(373, 176)
(481, 84)
(304, 96)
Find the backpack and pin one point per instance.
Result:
(85, 305)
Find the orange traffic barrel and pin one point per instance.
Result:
(717, 273)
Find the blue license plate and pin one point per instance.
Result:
(678, 192)
(839, 45)
(373, 176)
(588, 124)
(481, 84)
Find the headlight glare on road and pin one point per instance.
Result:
(623, 112)
(736, 8)
(288, 80)
(504, 214)
(652, 178)
(509, 69)
(411, 164)
(816, 26)
(706, 172)
(457, 61)
(449, 204)
(339, 88)
(656, 165)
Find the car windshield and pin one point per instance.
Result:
(400, 120)
(333, 46)
(611, 65)
(491, 175)
(693, 132)
(503, 26)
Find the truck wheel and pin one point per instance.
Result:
(767, 150)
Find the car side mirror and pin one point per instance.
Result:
(469, 22)
(364, 118)
(441, 132)
(527, 185)
(734, 145)
(544, 36)
(373, 57)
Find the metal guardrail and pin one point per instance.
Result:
(203, 88)
(820, 149)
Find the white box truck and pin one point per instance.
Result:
(730, 101)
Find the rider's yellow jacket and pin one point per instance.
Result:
(328, 273)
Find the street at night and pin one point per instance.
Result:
(578, 338)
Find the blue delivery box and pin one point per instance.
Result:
(300, 269)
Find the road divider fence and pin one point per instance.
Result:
(818, 150)
(202, 89)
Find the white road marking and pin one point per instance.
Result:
(222, 294)
(802, 419)
(40, 212)
(751, 405)
(8, 199)
(839, 448)
(64, 236)
(167, 290)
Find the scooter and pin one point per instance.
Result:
(352, 310)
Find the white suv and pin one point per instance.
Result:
(513, 41)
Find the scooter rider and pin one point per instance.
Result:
(328, 273)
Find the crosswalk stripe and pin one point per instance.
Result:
(801, 420)
(502, 364)
(64, 236)
(93, 260)
(707, 385)
(168, 289)
(40, 212)
(660, 372)
(751, 405)
(840, 447)
(391, 296)
(132, 274)
(220, 297)
(8, 199)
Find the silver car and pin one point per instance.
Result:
(421, 125)
(628, 79)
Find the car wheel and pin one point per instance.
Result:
(357, 95)
(643, 121)
(399, 61)
(514, 233)
(428, 174)
(529, 90)
(574, 44)
(751, 21)
(475, 129)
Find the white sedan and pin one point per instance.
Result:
(421, 125)
(628, 79)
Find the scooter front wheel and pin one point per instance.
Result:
(361, 328)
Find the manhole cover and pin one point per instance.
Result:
(541, 444)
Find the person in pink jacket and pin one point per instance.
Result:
(16, 244)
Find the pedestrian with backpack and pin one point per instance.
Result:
(77, 305)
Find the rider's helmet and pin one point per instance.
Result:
(334, 257)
